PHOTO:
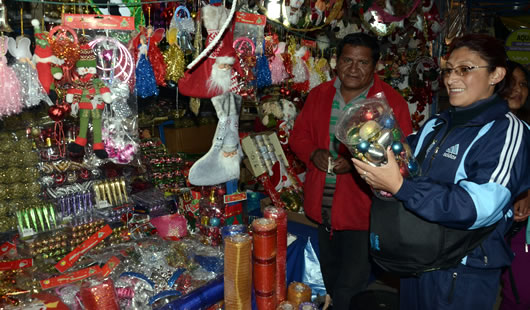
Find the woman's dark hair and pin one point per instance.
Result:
(360, 39)
(491, 50)
(524, 112)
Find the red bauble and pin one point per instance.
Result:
(66, 108)
(56, 113)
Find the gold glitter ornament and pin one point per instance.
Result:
(35, 132)
(32, 188)
(13, 174)
(6, 146)
(31, 173)
(3, 159)
(17, 190)
(4, 208)
(174, 58)
(16, 161)
(25, 145)
(30, 159)
(369, 129)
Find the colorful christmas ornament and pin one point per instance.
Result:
(88, 96)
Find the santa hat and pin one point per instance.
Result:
(42, 46)
(86, 57)
(219, 50)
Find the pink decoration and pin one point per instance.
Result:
(10, 102)
(277, 67)
(171, 226)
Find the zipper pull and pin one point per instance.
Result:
(452, 289)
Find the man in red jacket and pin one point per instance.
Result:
(337, 198)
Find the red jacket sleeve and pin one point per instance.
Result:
(300, 140)
(400, 108)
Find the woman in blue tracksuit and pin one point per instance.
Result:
(476, 164)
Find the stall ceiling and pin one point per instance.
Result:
(501, 7)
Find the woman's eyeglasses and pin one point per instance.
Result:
(460, 70)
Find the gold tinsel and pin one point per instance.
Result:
(175, 62)
(195, 103)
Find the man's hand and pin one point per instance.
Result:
(319, 157)
(521, 207)
(342, 165)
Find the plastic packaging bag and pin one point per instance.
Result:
(367, 128)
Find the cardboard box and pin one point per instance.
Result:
(291, 216)
(190, 139)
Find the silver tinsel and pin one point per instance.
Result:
(120, 95)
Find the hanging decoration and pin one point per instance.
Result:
(294, 16)
(4, 26)
(31, 91)
(120, 7)
(10, 101)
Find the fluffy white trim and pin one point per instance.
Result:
(51, 59)
(301, 51)
(212, 44)
(35, 23)
(214, 17)
(225, 60)
(323, 42)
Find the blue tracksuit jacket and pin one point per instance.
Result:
(471, 174)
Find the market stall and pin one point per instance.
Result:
(144, 145)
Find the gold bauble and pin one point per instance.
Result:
(369, 129)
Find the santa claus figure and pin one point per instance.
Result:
(46, 63)
(218, 73)
(88, 96)
(216, 78)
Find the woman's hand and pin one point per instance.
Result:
(386, 177)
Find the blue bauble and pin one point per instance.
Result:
(388, 121)
(397, 147)
(215, 221)
(413, 167)
(363, 146)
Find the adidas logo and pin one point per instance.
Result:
(452, 152)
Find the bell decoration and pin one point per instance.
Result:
(4, 26)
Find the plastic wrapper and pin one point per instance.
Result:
(172, 226)
(99, 295)
(115, 68)
(368, 128)
(152, 201)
